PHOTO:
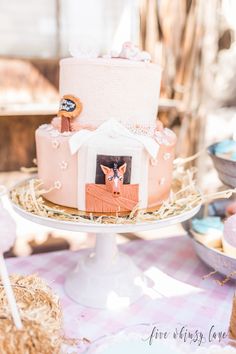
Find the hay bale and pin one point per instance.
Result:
(41, 315)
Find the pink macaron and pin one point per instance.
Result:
(229, 236)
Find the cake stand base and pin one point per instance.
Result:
(105, 278)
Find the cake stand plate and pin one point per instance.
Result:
(105, 278)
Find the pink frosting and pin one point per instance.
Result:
(132, 52)
(56, 123)
(162, 135)
(8, 230)
(230, 230)
(75, 125)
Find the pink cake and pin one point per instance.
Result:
(106, 152)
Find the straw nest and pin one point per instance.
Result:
(41, 316)
(183, 197)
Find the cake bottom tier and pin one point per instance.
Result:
(103, 176)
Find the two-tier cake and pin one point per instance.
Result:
(106, 152)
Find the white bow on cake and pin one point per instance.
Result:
(113, 129)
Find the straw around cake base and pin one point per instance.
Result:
(184, 196)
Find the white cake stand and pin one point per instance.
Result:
(105, 278)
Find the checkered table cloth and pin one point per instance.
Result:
(179, 294)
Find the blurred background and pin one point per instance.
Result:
(193, 40)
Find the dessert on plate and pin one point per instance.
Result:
(106, 152)
(208, 231)
(226, 149)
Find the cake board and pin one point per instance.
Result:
(105, 277)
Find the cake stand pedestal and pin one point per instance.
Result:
(105, 277)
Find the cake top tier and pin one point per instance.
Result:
(127, 90)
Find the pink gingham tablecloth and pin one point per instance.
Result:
(180, 295)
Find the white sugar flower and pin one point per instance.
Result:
(63, 165)
(55, 144)
(166, 156)
(57, 184)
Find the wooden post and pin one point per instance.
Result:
(65, 124)
(232, 327)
